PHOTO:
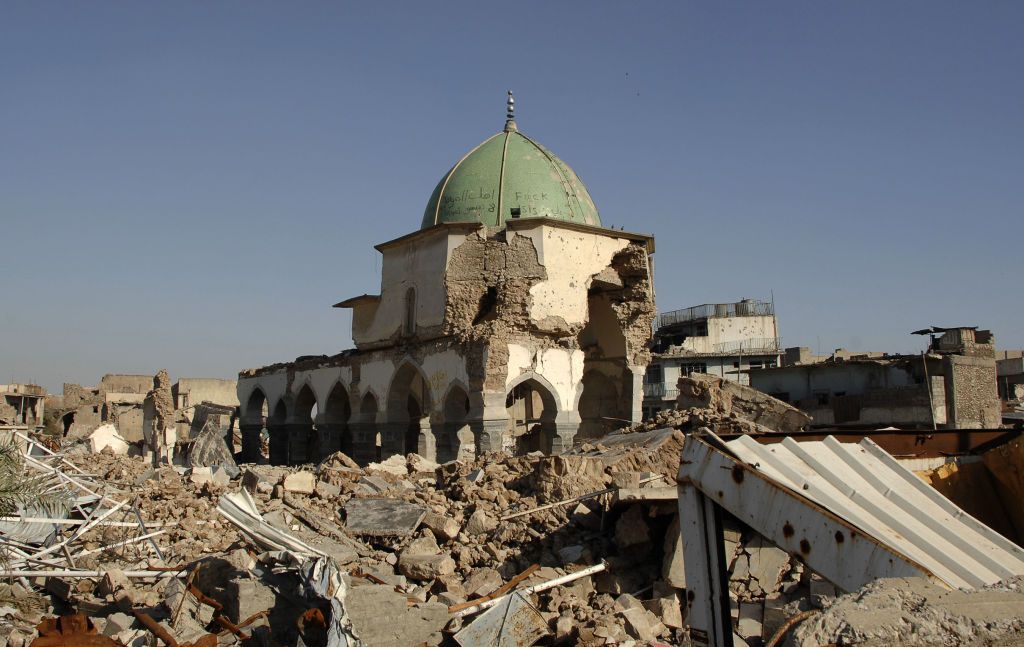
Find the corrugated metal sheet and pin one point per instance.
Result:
(867, 487)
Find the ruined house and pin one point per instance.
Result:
(120, 400)
(952, 385)
(511, 319)
(21, 406)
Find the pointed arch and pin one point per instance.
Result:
(409, 402)
(369, 404)
(257, 407)
(532, 405)
(455, 404)
(338, 406)
(280, 413)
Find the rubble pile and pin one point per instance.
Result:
(421, 544)
(913, 611)
(707, 402)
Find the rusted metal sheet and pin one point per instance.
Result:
(906, 443)
(867, 487)
(75, 630)
(710, 479)
(513, 622)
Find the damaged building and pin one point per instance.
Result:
(952, 385)
(123, 404)
(723, 339)
(510, 320)
(22, 406)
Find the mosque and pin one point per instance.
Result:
(511, 320)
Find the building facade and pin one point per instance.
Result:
(952, 385)
(722, 339)
(510, 320)
(22, 406)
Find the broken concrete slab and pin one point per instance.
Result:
(425, 568)
(382, 517)
(405, 626)
(209, 449)
(247, 596)
(300, 483)
(726, 397)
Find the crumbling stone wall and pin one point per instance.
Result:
(972, 397)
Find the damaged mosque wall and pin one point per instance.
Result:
(511, 320)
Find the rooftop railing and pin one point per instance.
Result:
(745, 308)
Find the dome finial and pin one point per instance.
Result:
(510, 114)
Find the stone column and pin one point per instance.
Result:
(634, 390)
(298, 443)
(363, 428)
(392, 438)
(567, 424)
(488, 418)
(331, 434)
(251, 441)
(278, 445)
(426, 444)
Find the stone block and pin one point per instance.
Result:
(479, 523)
(482, 581)
(444, 528)
(246, 597)
(300, 483)
(424, 568)
(326, 490)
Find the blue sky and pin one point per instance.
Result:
(191, 185)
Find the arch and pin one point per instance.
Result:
(305, 403)
(532, 408)
(409, 401)
(548, 389)
(256, 407)
(280, 413)
(67, 420)
(368, 405)
(338, 406)
(454, 432)
(334, 428)
(455, 405)
(599, 405)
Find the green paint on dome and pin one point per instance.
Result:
(510, 174)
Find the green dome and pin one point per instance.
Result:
(506, 175)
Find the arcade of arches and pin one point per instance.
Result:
(510, 321)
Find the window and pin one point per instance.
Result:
(654, 374)
(409, 328)
(688, 369)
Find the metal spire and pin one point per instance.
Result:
(510, 114)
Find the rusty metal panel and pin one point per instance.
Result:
(828, 543)
(869, 489)
(514, 622)
(907, 443)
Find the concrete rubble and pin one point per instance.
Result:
(427, 546)
(579, 548)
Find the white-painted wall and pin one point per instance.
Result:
(561, 367)
(722, 330)
(570, 259)
(418, 263)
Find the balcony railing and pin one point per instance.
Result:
(747, 308)
(750, 346)
(660, 391)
